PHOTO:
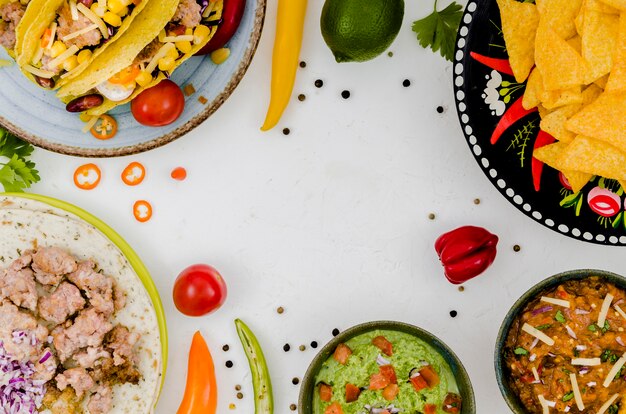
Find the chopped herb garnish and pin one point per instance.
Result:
(544, 326)
(559, 317)
(592, 328)
(438, 30)
(520, 351)
(606, 327)
(614, 409)
(568, 396)
(608, 355)
(576, 352)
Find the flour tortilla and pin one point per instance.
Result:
(25, 224)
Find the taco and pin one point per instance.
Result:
(78, 332)
(66, 35)
(162, 38)
(13, 24)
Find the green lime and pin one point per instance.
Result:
(360, 30)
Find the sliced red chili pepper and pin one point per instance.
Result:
(105, 127)
(466, 252)
(142, 210)
(134, 173)
(87, 176)
(513, 114)
(179, 173)
(501, 65)
(536, 166)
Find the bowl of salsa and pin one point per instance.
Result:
(562, 346)
(386, 367)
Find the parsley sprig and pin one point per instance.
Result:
(438, 30)
(17, 171)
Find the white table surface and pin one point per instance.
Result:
(330, 222)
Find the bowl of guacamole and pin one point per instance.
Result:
(386, 367)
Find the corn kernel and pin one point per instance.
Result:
(188, 31)
(84, 117)
(83, 56)
(200, 34)
(70, 63)
(166, 64)
(126, 2)
(115, 6)
(57, 49)
(173, 53)
(98, 11)
(184, 47)
(144, 78)
(112, 19)
(219, 56)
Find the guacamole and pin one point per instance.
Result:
(387, 370)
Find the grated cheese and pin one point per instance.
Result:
(94, 19)
(208, 9)
(607, 404)
(538, 334)
(76, 69)
(162, 35)
(613, 372)
(159, 55)
(620, 311)
(535, 374)
(79, 32)
(588, 362)
(73, 10)
(92, 121)
(577, 395)
(39, 72)
(604, 310)
(559, 302)
(5, 63)
(38, 55)
(181, 38)
(544, 404)
(63, 56)
(53, 35)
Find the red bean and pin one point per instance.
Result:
(84, 103)
(45, 83)
(87, 3)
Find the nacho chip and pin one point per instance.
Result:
(534, 89)
(598, 42)
(543, 112)
(560, 15)
(601, 83)
(577, 43)
(551, 155)
(577, 179)
(561, 67)
(594, 157)
(604, 119)
(600, 6)
(554, 124)
(618, 4)
(579, 20)
(519, 25)
(558, 98)
(617, 78)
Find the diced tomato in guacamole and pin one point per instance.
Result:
(326, 392)
(383, 344)
(430, 409)
(419, 383)
(334, 408)
(378, 381)
(388, 372)
(342, 353)
(390, 392)
(352, 393)
(430, 376)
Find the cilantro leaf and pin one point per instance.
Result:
(10, 144)
(18, 172)
(438, 30)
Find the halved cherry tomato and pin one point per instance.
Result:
(126, 76)
(87, 176)
(388, 372)
(419, 383)
(326, 392)
(159, 105)
(105, 127)
(45, 39)
(342, 353)
(390, 392)
(134, 173)
(142, 210)
(430, 376)
(383, 344)
(352, 393)
(334, 408)
(179, 173)
(378, 381)
(430, 409)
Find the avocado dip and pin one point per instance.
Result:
(385, 372)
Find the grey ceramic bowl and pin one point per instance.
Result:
(305, 403)
(502, 373)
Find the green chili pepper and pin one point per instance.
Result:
(520, 351)
(261, 382)
(568, 396)
(559, 317)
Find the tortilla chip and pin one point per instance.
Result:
(579, 20)
(551, 155)
(600, 6)
(560, 15)
(577, 43)
(561, 67)
(604, 119)
(598, 42)
(543, 112)
(594, 157)
(558, 98)
(601, 83)
(617, 78)
(554, 124)
(618, 4)
(577, 179)
(534, 89)
(519, 25)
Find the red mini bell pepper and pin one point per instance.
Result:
(466, 252)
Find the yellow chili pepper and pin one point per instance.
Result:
(289, 30)
(201, 392)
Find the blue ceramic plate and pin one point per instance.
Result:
(37, 116)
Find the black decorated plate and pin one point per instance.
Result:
(502, 135)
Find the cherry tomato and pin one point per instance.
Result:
(198, 290)
(160, 105)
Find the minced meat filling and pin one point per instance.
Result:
(10, 16)
(188, 13)
(583, 352)
(68, 26)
